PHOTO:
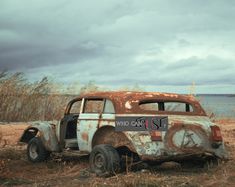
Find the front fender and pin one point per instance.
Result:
(47, 133)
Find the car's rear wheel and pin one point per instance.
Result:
(104, 160)
(36, 151)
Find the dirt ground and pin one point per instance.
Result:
(67, 170)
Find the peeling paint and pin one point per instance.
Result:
(120, 98)
(128, 105)
(85, 136)
(189, 133)
(47, 133)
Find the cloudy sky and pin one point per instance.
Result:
(160, 45)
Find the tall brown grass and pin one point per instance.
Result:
(21, 100)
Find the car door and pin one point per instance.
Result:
(88, 122)
(68, 124)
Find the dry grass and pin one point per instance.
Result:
(21, 100)
(24, 101)
(66, 170)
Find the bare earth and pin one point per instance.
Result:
(67, 170)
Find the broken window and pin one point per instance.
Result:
(177, 107)
(109, 108)
(149, 106)
(93, 105)
(76, 107)
(171, 106)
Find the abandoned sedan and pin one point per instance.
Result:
(99, 124)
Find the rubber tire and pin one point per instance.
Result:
(111, 160)
(42, 153)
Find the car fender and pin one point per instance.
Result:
(47, 133)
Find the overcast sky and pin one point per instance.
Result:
(160, 45)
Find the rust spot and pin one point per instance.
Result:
(177, 122)
(107, 135)
(85, 136)
(156, 135)
(128, 102)
(171, 144)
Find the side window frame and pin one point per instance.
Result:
(68, 112)
(189, 107)
(114, 111)
(97, 99)
(155, 106)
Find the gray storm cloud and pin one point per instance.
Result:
(123, 42)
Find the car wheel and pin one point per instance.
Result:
(104, 160)
(36, 151)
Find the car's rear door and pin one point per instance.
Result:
(88, 122)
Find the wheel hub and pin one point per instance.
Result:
(33, 151)
(99, 160)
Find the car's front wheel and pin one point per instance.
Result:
(36, 151)
(104, 160)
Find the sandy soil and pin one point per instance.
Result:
(64, 170)
(10, 133)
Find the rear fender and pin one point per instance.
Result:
(107, 135)
(45, 131)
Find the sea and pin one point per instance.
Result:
(222, 106)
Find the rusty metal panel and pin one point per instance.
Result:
(128, 102)
(187, 135)
(47, 133)
(86, 127)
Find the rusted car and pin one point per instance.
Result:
(88, 127)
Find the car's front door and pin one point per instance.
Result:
(68, 125)
(88, 122)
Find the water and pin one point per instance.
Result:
(223, 106)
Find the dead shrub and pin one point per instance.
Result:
(21, 100)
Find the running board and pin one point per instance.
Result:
(71, 143)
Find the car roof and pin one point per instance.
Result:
(122, 98)
(137, 95)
